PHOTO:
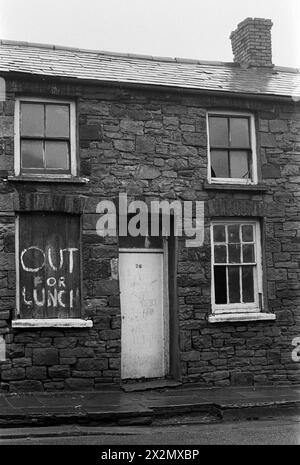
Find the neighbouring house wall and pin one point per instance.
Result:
(154, 145)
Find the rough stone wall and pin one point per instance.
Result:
(153, 145)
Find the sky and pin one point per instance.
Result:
(196, 29)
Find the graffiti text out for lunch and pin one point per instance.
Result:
(51, 291)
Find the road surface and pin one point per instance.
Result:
(285, 430)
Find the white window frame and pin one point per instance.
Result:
(254, 179)
(17, 136)
(257, 305)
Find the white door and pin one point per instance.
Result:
(144, 324)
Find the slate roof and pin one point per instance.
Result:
(50, 60)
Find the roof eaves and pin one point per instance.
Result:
(160, 87)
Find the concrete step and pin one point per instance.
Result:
(150, 385)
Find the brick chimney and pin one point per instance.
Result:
(251, 42)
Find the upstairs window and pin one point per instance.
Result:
(45, 138)
(232, 157)
(236, 266)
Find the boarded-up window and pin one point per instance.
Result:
(49, 265)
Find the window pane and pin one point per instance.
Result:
(239, 167)
(248, 253)
(32, 119)
(220, 285)
(247, 233)
(234, 284)
(218, 132)
(219, 164)
(32, 154)
(234, 252)
(57, 121)
(234, 233)
(248, 284)
(239, 132)
(219, 233)
(220, 253)
(57, 155)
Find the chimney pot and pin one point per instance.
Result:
(251, 42)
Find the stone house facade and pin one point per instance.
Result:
(79, 127)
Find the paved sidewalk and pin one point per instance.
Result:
(116, 407)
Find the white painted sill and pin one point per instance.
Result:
(69, 179)
(259, 316)
(52, 323)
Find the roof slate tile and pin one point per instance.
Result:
(57, 61)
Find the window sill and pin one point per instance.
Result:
(246, 316)
(234, 187)
(52, 323)
(48, 179)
